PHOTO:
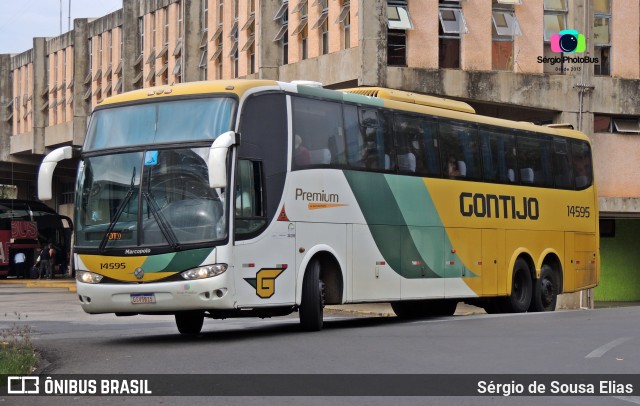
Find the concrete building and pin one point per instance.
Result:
(496, 55)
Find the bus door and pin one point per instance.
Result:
(264, 258)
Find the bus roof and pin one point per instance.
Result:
(373, 96)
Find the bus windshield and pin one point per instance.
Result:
(148, 198)
(157, 123)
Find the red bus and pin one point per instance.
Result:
(26, 225)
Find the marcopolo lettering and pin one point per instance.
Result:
(499, 206)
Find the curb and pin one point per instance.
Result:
(68, 284)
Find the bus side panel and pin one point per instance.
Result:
(373, 277)
(418, 282)
(585, 255)
(493, 268)
(463, 259)
(265, 271)
(569, 278)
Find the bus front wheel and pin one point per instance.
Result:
(312, 301)
(545, 291)
(521, 288)
(190, 323)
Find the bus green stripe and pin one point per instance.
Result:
(176, 262)
(387, 225)
(404, 223)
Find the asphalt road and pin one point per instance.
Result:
(602, 341)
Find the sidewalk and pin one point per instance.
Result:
(62, 283)
(384, 309)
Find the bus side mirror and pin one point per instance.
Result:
(217, 163)
(48, 165)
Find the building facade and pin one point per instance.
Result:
(500, 56)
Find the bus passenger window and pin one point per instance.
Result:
(460, 152)
(581, 160)
(316, 125)
(378, 150)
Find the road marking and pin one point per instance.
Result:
(630, 399)
(600, 351)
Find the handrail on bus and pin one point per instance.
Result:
(45, 174)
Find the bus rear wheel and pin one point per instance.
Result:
(521, 289)
(545, 291)
(413, 309)
(312, 301)
(189, 323)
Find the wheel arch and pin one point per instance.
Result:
(552, 259)
(528, 258)
(331, 273)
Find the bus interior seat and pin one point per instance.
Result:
(511, 175)
(320, 156)
(526, 174)
(462, 168)
(407, 162)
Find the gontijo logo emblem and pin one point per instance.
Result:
(568, 41)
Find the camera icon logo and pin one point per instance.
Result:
(568, 41)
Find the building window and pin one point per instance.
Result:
(68, 193)
(452, 25)
(323, 25)
(203, 41)
(344, 18)
(398, 22)
(505, 27)
(602, 37)
(153, 31)
(180, 19)
(233, 54)
(613, 124)
(302, 29)
(555, 20)
(282, 16)
(249, 47)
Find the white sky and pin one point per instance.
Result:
(22, 20)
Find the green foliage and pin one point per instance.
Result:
(17, 356)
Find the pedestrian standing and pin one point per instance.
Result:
(19, 261)
(45, 264)
(52, 262)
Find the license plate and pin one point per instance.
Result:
(137, 298)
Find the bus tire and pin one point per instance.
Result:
(545, 291)
(521, 288)
(312, 300)
(190, 323)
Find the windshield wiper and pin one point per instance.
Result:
(165, 228)
(114, 221)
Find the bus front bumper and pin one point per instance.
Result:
(160, 297)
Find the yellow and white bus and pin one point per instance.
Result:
(259, 198)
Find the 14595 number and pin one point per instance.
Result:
(113, 265)
(578, 211)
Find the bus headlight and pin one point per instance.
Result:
(88, 277)
(203, 272)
